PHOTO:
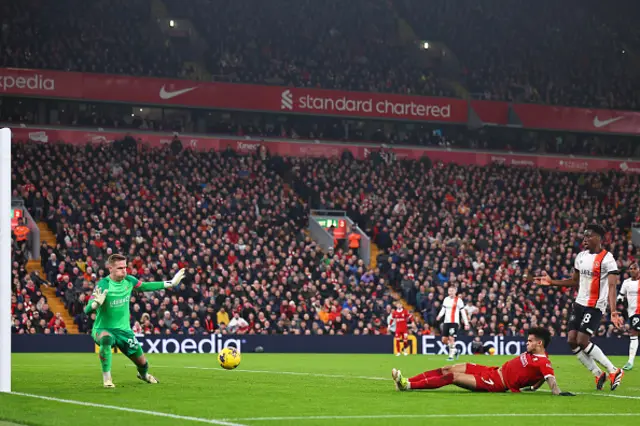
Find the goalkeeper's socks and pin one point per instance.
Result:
(587, 361)
(106, 376)
(144, 369)
(433, 383)
(633, 348)
(105, 353)
(427, 375)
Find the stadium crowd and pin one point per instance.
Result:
(237, 225)
(232, 222)
(30, 311)
(480, 229)
(571, 53)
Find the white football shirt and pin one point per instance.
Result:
(630, 290)
(594, 269)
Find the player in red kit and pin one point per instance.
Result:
(528, 370)
(401, 318)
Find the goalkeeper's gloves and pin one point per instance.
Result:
(99, 297)
(175, 281)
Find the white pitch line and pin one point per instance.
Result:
(431, 416)
(130, 410)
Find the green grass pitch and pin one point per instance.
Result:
(306, 390)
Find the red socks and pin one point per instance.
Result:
(434, 382)
(427, 375)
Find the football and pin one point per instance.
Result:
(229, 358)
(492, 350)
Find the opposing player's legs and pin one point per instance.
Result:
(633, 341)
(582, 323)
(449, 332)
(105, 341)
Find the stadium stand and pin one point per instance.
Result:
(174, 212)
(544, 52)
(435, 225)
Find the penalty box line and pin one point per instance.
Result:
(129, 410)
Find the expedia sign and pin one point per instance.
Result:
(432, 345)
(180, 344)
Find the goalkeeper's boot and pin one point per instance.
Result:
(148, 378)
(628, 366)
(108, 383)
(616, 378)
(400, 382)
(601, 380)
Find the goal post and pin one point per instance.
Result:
(5, 260)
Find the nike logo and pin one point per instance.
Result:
(597, 123)
(489, 382)
(168, 95)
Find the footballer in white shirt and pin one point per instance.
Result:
(596, 276)
(630, 291)
(453, 312)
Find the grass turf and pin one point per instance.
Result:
(278, 389)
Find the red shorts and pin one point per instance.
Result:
(487, 378)
(404, 335)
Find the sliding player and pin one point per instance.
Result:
(596, 275)
(629, 290)
(452, 310)
(110, 301)
(527, 371)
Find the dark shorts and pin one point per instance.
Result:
(487, 378)
(585, 320)
(634, 321)
(450, 329)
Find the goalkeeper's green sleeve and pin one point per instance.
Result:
(88, 309)
(151, 286)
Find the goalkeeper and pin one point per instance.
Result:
(110, 301)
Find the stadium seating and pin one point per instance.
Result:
(232, 222)
(238, 228)
(481, 229)
(576, 53)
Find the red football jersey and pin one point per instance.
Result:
(526, 370)
(401, 317)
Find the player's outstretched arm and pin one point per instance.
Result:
(534, 387)
(159, 285)
(551, 381)
(96, 300)
(546, 280)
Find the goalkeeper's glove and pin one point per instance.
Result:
(175, 281)
(99, 297)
